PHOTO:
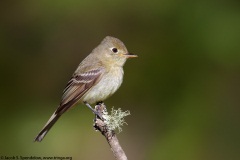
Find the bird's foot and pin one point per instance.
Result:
(98, 114)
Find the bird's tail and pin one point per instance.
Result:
(53, 119)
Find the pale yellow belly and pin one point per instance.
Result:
(105, 87)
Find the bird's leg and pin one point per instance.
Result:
(93, 110)
(100, 108)
(90, 107)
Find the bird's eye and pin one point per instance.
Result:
(115, 50)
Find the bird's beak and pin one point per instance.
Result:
(130, 55)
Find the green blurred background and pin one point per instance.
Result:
(183, 90)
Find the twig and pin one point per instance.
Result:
(110, 135)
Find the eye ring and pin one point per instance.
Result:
(115, 50)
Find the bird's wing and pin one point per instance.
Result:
(77, 87)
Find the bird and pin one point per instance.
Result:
(96, 78)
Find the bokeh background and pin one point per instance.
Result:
(183, 90)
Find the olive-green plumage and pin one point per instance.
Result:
(97, 77)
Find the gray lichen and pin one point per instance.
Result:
(116, 119)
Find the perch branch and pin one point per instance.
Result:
(110, 135)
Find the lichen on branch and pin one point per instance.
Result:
(115, 120)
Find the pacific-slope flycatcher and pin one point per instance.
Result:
(97, 77)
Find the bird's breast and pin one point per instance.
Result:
(109, 83)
